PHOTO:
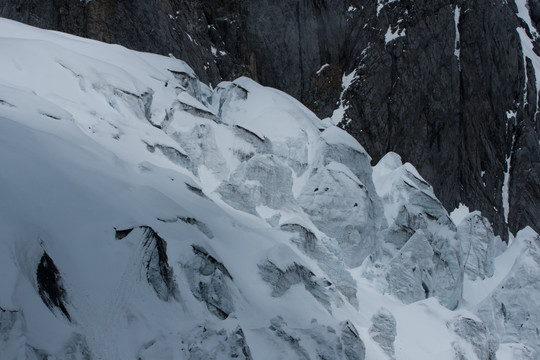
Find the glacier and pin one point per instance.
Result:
(145, 215)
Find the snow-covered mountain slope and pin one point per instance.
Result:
(147, 216)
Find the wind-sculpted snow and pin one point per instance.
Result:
(147, 216)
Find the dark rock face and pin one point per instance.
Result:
(446, 113)
(442, 104)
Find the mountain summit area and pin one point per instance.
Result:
(158, 208)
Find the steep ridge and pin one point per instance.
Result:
(450, 85)
(145, 215)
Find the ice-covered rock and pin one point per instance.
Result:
(207, 278)
(383, 330)
(328, 255)
(336, 145)
(158, 272)
(354, 347)
(262, 180)
(225, 95)
(198, 140)
(185, 80)
(477, 245)
(410, 206)
(340, 205)
(409, 275)
(478, 335)
(283, 269)
(174, 154)
(270, 114)
(509, 311)
(260, 145)
(409, 202)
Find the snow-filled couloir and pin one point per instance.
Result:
(147, 216)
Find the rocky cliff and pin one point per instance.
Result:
(448, 84)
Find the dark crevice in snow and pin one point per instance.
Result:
(195, 190)
(50, 286)
(157, 126)
(191, 221)
(5, 103)
(426, 289)
(249, 132)
(120, 234)
(158, 272)
(51, 116)
(200, 113)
